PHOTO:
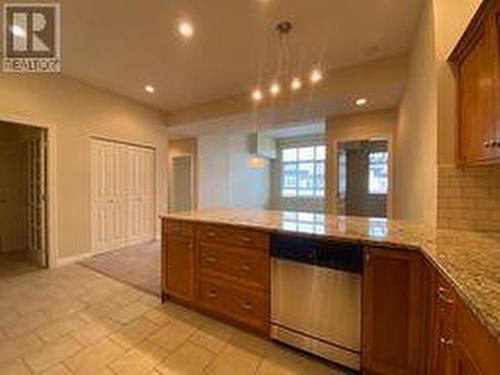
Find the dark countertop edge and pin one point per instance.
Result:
(366, 242)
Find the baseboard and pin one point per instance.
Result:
(72, 259)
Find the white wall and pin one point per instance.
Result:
(76, 112)
(224, 177)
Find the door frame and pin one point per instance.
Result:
(332, 169)
(52, 229)
(171, 178)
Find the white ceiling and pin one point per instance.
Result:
(122, 45)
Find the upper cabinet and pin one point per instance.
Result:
(476, 59)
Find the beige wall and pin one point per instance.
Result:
(381, 80)
(76, 112)
(415, 177)
(367, 125)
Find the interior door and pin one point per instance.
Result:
(140, 189)
(102, 195)
(120, 200)
(182, 183)
(37, 198)
(123, 189)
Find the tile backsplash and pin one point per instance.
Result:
(469, 198)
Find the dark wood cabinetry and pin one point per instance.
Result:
(220, 270)
(393, 311)
(178, 260)
(459, 344)
(477, 62)
(413, 320)
(442, 302)
(415, 323)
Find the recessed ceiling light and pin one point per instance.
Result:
(296, 84)
(150, 89)
(361, 102)
(257, 95)
(186, 29)
(316, 75)
(275, 89)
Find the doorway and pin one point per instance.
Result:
(23, 199)
(182, 183)
(363, 178)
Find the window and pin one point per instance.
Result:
(303, 171)
(378, 180)
(342, 173)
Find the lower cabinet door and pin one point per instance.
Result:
(392, 311)
(180, 263)
(464, 365)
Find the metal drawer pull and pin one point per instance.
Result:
(246, 306)
(245, 268)
(211, 260)
(210, 234)
(441, 293)
(211, 294)
(446, 342)
(246, 239)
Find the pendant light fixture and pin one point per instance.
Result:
(284, 78)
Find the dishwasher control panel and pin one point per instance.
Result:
(336, 254)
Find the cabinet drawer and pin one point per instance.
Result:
(233, 236)
(445, 307)
(240, 264)
(237, 304)
(179, 228)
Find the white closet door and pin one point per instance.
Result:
(135, 195)
(120, 200)
(148, 200)
(141, 195)
(102, 183)
(123, 200)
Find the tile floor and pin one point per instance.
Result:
(138, 265)
(15, 264)
(72, 320)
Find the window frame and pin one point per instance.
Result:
(375, 193)
(315, 188)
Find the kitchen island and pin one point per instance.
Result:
(431, 298)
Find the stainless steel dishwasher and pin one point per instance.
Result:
(316, 297)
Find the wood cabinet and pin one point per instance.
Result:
(477, 63)
(459, 344)
(393, 311)
(178, 259)
(219, 269)
(442, 300)
(413, 320)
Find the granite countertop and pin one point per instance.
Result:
(470, 260)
